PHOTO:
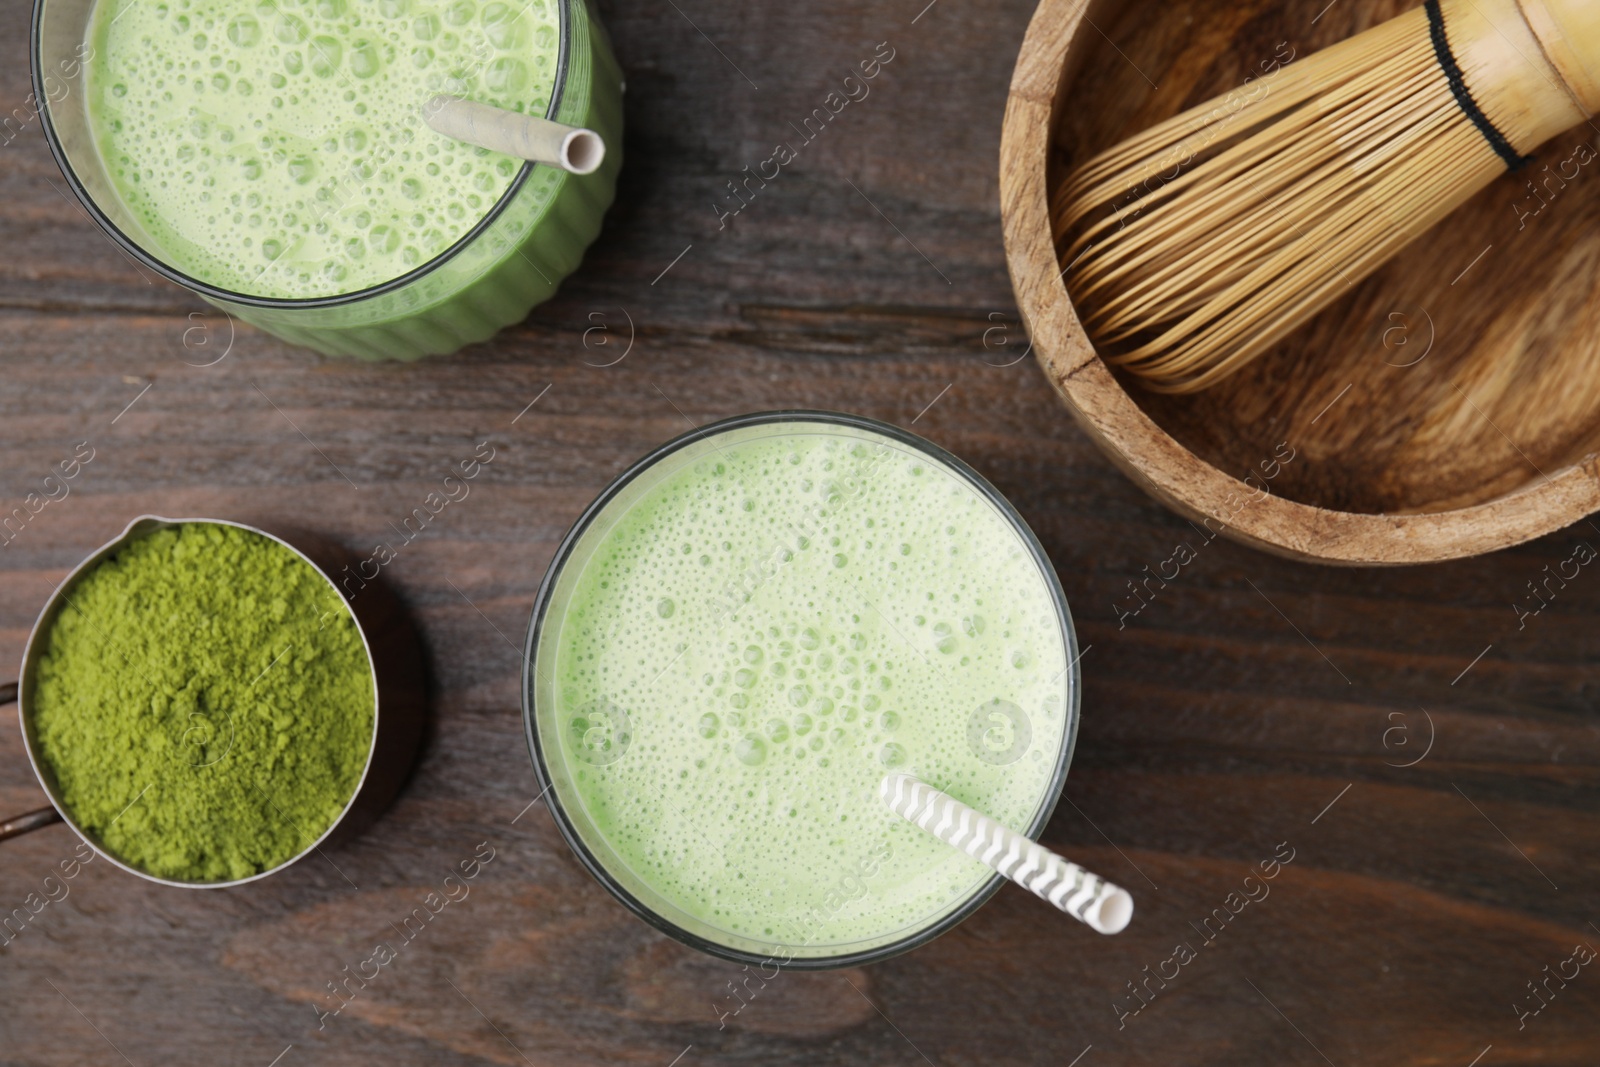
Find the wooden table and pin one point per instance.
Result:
(1432, 767)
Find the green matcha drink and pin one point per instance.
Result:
(275, 148)
(749, 635)
(272, 154)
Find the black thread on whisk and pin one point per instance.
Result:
(1458, 89)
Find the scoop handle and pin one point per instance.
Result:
(1085, 896)
(33, 820)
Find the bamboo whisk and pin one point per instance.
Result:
(1194, 246)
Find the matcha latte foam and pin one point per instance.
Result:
(276, 148)
(203, 701)
(748, 634)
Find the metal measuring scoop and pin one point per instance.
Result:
(393, 652)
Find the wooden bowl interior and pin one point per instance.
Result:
(1457, 373)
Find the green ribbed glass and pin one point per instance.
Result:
(516, 256)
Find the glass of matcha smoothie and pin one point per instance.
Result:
(272, 156)
(744, 633)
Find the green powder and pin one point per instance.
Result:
(204, 702)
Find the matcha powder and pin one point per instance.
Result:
(204, 703)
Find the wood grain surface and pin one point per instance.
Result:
(1249, 702)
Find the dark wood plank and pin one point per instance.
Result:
(1219, 721)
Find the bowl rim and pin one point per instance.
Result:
(1052, 791)
(1145, 451)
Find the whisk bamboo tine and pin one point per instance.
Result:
(1228, 165)
(1220, 176)
(1249, 329)
(1192, 247)
(1202, 247)
(1145, 226)
(1305, 203)
(1284, 90)
(1362, 243)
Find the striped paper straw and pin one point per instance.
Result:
(1082, 895)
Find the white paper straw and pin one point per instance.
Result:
(1082, 895)
(523, 136)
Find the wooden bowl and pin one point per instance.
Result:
(1448, 405)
